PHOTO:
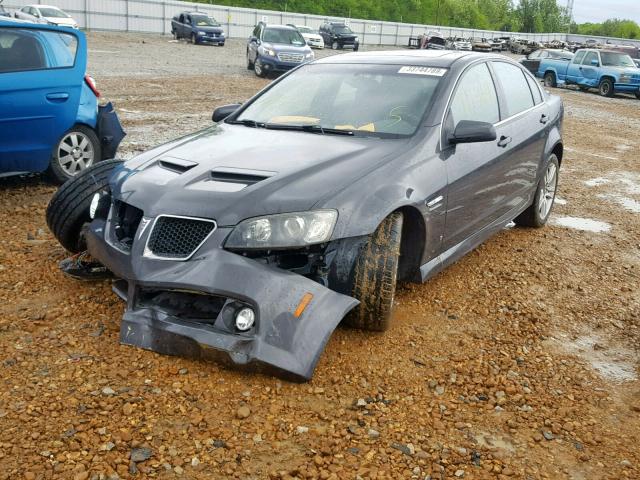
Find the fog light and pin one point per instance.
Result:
(95, 201)
(245, 319)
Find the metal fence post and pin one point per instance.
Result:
(397, 29)
(126, 16)
(164, 18)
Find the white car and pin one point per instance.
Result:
(46, 14)
(459, 43)
(313, 39)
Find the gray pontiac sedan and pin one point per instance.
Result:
(251, 240)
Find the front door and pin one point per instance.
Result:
(41, 76)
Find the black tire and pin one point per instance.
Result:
(638, 95)
(58, 170)
(259, 69)
(68, 209)
(334, 45)
(605, 88)
(550, 80)
(193, 39)
(249, 63)
(356, 48)
(374, 276)
(533, 216)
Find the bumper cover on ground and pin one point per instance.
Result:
(280, 343)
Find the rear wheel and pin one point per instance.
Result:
(334, 45)
(77, 150)
(68, 209)
(550, 80)
(375, 275)
(249, 62)
(638, 95)
(606, 88)
(537, 214)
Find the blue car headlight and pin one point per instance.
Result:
(202, 33)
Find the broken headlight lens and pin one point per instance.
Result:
(284, 230)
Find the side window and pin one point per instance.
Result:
(590, 57)
(516, 90)
(475, 97)
(579, 56)
(535, 90)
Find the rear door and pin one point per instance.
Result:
(574, 69)
(524, 126)
(41, 76)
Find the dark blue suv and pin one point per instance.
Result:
(276, 48)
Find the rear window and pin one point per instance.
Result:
(30, 49)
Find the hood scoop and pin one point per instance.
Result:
(176, 165)
(229, 179)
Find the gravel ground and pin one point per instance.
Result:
(520, 361)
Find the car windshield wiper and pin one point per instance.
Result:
(309, 128)
(248, 123)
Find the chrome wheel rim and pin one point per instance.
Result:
(605, 88)
(75, 153)
(548, 190)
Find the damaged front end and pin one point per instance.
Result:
(187, 295)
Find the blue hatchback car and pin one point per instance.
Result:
(49, 114)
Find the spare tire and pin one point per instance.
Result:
(68, 209)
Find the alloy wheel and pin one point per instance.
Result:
(75, 153)
(548, 190)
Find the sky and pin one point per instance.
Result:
(600, 10)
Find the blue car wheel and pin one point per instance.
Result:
(78, 149)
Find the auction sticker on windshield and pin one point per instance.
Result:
(432, 71)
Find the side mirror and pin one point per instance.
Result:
(223, 112)
(595, 63)
(253, 40)
(470, 131)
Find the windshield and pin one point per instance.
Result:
(305, 30)
(378, 100)
(342, 29)
(612, 59)
(205, 22)
(284, 36)
(53, 13)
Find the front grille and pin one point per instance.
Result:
(291, 57)
(178, 237)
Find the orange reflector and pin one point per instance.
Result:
(306, 300)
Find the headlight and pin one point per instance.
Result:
(283, 230)
(309, 55)
(625, 78)
(201, 33)
(268, 51)
(355, 39)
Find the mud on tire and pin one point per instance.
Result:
(68, 209)
(375, 275)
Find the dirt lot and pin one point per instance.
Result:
(520, 361)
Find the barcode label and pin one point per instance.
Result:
(433, 71)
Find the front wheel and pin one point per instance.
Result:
(638, 95)
(68, 209)
(193, 39)
(334, 45)
(259, 69)
(374, 276)
(77, 150)
(550, 80)
(606, 88)
(537, 214)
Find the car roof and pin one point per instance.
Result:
(45, 6)
(431, 58)
(280, 27)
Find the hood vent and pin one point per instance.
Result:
(244, 177)
(176, 165)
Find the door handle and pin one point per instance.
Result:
(504, 141)
(58, 97)
(544, 119)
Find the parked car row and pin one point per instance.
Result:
(434, 40)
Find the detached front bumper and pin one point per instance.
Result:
(286, 340)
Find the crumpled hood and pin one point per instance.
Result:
(60, 21)
(233, 172)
